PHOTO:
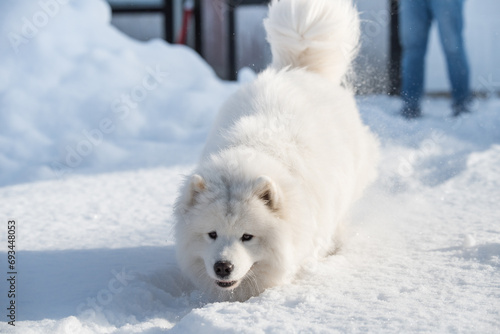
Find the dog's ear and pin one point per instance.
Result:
(267, 191)
(196, 185)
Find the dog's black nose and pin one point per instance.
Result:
(223, 268)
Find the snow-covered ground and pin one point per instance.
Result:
(90, 175)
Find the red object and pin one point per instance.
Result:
(187, 12)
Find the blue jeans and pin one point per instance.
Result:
(415, 20)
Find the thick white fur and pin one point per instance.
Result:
(287, 157)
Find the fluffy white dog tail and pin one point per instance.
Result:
(319, 35)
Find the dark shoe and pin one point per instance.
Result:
(463, 108)
(411, 113)
(460, 110)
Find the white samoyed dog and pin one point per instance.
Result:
(286, 158)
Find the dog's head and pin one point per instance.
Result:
(227, 234)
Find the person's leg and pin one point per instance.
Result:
(414, 23)
(449, 16)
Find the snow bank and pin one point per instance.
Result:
(79, 96)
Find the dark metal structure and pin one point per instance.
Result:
(231, 21)
(166, 8)
(395, 51)
(197, 28)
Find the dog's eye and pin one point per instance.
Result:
(213, 235)
(246, 237)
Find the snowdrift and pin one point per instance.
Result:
(78, 96)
